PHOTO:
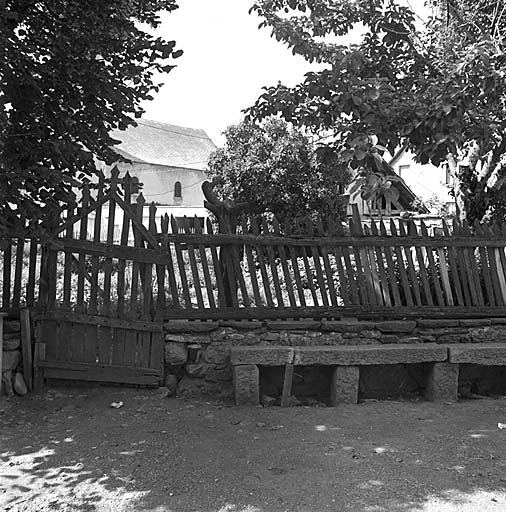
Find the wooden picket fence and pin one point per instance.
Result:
(117, 258)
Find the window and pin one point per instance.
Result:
(448, 175)
(403, 169)
(178, 194)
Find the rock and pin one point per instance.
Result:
(7, 383)
(437, 323)
(292, 325)
(19, 385)
(219, 375)
(268, 401)
(487, 335)
(396, 326)
(175, 353)
(293, 401)
(242, 324)
(185, 326)
(197, 369)
(171, 384)
(217, 353)
(11, 342)
(270, 336)
(346, 326)
(11, 359)
(12, 326)
(389, 338)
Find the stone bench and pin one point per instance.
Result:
(346, 360)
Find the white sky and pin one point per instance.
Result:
(226, 62)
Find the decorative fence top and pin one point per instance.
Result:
(118, 258)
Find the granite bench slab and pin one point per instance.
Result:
(487, 354)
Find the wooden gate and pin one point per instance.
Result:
(97, 322)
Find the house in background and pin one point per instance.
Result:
(170, 162)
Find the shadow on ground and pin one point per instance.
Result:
(67, 449)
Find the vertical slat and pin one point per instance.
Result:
(65, 341)
(145, 269)
(473, 271)
(310, 229)
(433, 270)
(181, 265)
(284, 265)
(130, 347)
(263, 266)
(193, 265)
(160, 269)
(32, 268)
(272, 265)
(401, 267)
(366, 289)
(169, 267)
(52, 256)
(500, 260)
(156, 354)
(489, 287)
(326, 264)
(26, 346)
(117, 344)
(392, 276)
(236, 262)
(134, 285)
(216, 265)
(381, 267)
(6, 292)
(411, 267)
(18, 271)
(110, 240)
(413, 231)
(344, 284)
(295, 266)
(287, 385)
(83, 233)
(452, 256)
(67, 263)
(353, 277)
(97, 225)
(370, 254)
(499, 291)
(251, 265)
(125, 229)
(106, 341)
(307, 267)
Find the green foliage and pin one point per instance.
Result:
(438, 90)
(70, 71)
(274, 168)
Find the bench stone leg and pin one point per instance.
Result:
(442, 382)
(344, 386)
(246, 384)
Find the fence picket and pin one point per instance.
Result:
(454, 267)
(390, 267)
(411, 266)
(401, 267)
(485, 266)
(273, 267)
(307, 267)
(383, 280)
(217, 268)
(434, 271)
(190, 250)
(181, 265)
(251, 264)
(284, 265)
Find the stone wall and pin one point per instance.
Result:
(197, 353)
(12, 376)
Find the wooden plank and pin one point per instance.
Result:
(81, 269)
(287, 385)
(122, 264)
(455, 277)
(499, 290)
(77, 343)
(2, 315)
(160, 269)
(108, 260)
(146, 272)
(6, 291)
(466, 266)
(105, 344)
(118, 342)
(51, 275)
(90, 343)
(420, 258)
(485, 266)
(390, 268)
(65, 340)
(500, 258)
(134, 306)
(67, 264)
(365, 287)
(383, 279)
(26, 347)
(262, 264)
(190, 249)
(39, 355)
(32, 266)
(401, 266)
(320, 278)
(272, 265)
(344, 285)
(326, 265)
(295, 267)
(251, 266)
(18, 271)
(49, 336)
(434, 271)
(411, 267)
(97, 226)
(216, 267)
(100, 373)
(475, 275)
(130, 347)
(169, 266)
(156, 357)
(284, 265)
(182, 267)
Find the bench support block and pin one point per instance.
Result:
(442, 382)
(246, 384)
(344, 385)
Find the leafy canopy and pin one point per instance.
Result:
(274, 168)
(70, 71)
(436, 88)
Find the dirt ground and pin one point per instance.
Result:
(67, 449)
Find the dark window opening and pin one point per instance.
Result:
(178, 189)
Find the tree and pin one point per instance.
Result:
(70, 71)
(438, 90)
(274, 168)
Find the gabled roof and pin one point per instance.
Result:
(164, 144)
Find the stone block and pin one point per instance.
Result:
(389, 338)
(292, 325)
(344, 385)
(474, 322)
(344, 326)
(11, 359)
(437, 323)
(488, 335)
(175, 353)
(273, 355)
(356, 355)
(487, 354)
(396, 326)
(246, 384)
(442, 382)
(11, 341)
(199, 369)
(270, 336)
(498, 321)
(242, 324)
(186, 326)
(12, 326)
(217, 353)
(453, 338)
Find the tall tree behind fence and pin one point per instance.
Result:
(116, 257)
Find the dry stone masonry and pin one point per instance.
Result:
(197, 354)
